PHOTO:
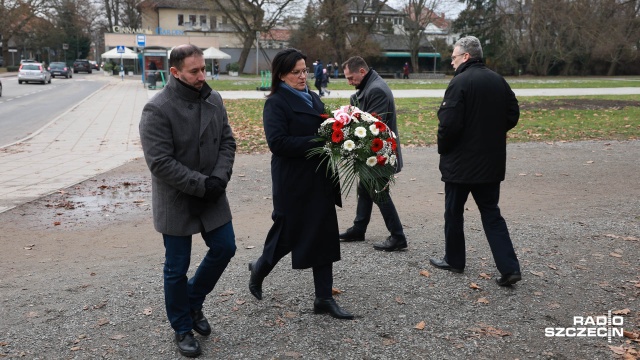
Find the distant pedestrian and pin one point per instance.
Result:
(317, 73)
(478, 109)
(335, 69)
(216, 70)
(405, 71)
(189, 148)
(325, 82)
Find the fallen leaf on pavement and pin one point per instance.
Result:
(420, 325)
(117, 337)
(425, 273)
(485, 276)
(250, 247)
(621, 312)
(615, 255)
(103, 321)
(553, 267)
(619, 350)
(631, 335)
(147, 311)
(399, 300)
(336, 291)
(240, 302)
(474, 286)
(483, 300)
(75, 348)
(537, 273)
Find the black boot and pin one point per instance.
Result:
(391, 244)
(188, 345)
(351, 235)
(255, 281)
(200, 323)
(321, 306)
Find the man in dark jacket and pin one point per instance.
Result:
(189, 148)
(478, 109)
(373, 95)
(317, 73)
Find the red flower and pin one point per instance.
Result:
(381, 126)
(381, 160)
(357, 116)
(394, 144)
(375, 115)
(337, 136)
(376, 145)
(337, 126)
(324, 116)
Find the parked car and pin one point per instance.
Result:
(94, 65)
(35, 72)
(82, 65)
(24, 61)
(60, 69)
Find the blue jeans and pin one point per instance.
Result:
(182, 295)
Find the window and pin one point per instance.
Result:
(224, 20)
(180, 19)
(214, 22)
(192, 19)
(203, 20)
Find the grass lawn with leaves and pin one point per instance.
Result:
(546, 119)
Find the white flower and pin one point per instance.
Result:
(372, 161)
(374, 129)
(349, 145)
(328, 121)
(360, 132)
(367, 117)
(392, 160)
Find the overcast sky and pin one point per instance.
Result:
(450, 7)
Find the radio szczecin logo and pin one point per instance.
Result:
(590, 326)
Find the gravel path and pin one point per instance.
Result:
(82, 269)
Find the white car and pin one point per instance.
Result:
(34, 72)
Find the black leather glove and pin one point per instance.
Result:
(214, 188)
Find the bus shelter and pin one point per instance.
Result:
(156, 67)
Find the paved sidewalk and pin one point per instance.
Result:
(101, 133)
(98, 134)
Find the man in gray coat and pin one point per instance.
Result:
(189, 148)
(373, 95)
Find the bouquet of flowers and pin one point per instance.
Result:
(360, 146)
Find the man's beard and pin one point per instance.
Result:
(196, 85)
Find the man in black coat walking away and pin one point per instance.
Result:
(478, 109)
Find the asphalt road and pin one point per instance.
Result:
(28, 107)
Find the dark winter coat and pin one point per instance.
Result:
(478, 109)
(304, 195)
(186, 138)
(376, 96)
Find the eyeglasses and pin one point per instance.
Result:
(297, 73)
(453, 57)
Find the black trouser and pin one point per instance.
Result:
(486, 197)
(387, 209)
(322, 275)
(318, 84)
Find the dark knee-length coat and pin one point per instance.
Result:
(304, 194)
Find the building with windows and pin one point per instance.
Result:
(167, 23)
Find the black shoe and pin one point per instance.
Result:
(391, 244)
(255, 282)
(351, 235)
(321, 306)
(188, 345)
(441, 264)
(509, 279)
(200, 323)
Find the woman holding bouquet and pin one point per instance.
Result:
(305, 222)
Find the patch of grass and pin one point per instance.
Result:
(547, 119)
(251, 82)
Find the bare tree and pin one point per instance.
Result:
(249, 17)
(420, 14)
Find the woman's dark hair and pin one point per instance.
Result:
(282, 64)
(180, 52)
